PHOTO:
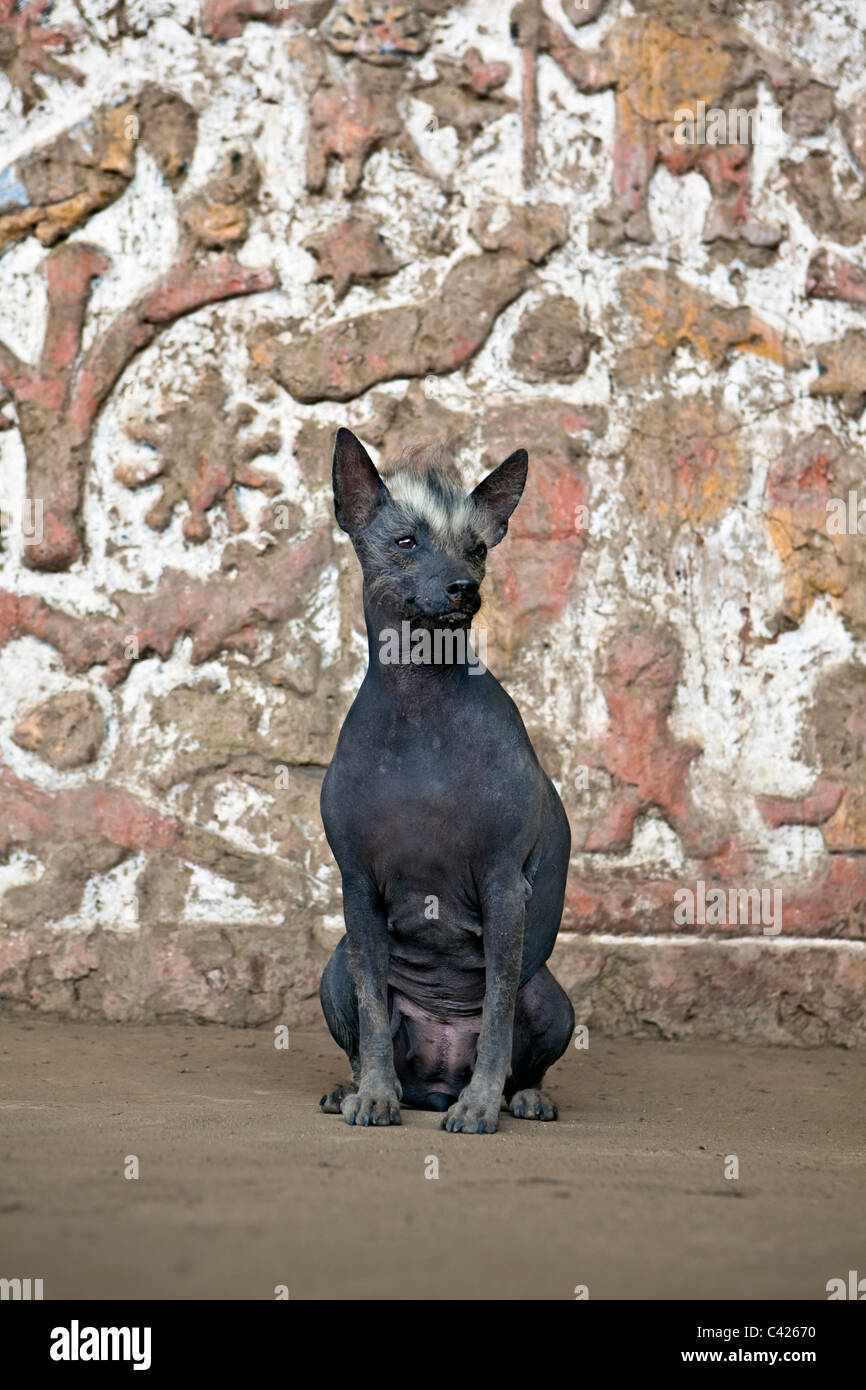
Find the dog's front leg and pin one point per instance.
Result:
(377, 1100)
(476, 1110)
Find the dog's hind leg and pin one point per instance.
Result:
(543, 1016)
(543, 1026)
(340, 1007)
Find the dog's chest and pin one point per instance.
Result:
(425, 842)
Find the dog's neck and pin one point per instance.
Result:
(430, 677)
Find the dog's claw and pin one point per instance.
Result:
(374, 1108)
(330, 1104)
(471, 1116)
(533, 1105)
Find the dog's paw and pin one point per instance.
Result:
(381, 1107)
(533, 1105)
(330, 1104)
(470, 1116)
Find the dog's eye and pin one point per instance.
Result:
(406, 542)
(480, 551)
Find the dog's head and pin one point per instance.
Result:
(421, 540)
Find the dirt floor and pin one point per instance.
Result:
(244, 1186)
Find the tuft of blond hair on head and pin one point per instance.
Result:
(425, 482)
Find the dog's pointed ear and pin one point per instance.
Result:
(499, 493)
(358, 490)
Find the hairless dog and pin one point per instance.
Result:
(452, 842)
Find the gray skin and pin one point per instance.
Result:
(451, 840)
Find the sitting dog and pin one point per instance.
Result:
(451, 840)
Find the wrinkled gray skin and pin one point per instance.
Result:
(435, 800)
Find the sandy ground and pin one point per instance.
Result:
(244, 1186)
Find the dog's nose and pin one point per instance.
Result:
(461, 589)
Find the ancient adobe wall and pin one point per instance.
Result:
(627, 236)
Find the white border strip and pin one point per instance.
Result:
(776, 942)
